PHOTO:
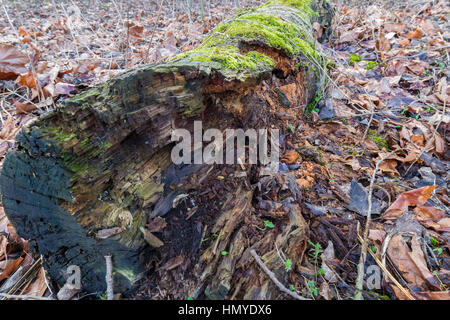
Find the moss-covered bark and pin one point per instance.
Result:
(101, 159)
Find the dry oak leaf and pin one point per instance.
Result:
(394, 27)
(410, 261)
(7, 267)
(433, 295)
(416, 34)
(442, 91)
(389, 166)
(442, 225)
(377, 235)
(12, 62)
(9, 129)
(404, 42)
(38, 287)
(439, 143)
(432, 218)
(406, 199)
(27, 80)
(427, 213)
(23, 108)
(383, 44)
(290, 157)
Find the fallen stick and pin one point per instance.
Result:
(109, 278)
(362, 259)
(386, 271)
(24, 297)
(274, 279)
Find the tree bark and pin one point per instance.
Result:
(84, 180)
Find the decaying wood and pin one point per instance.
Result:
(85, 179)
(274, 279)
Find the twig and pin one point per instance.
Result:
(24, 297)
(274, 279)
(415, 55)
(33, 70)
(428, 144)
(109, 278)
(154, 29)
(386, 271)
(362, 258)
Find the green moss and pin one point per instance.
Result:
(61, 136)
(354, 58)
(276, 30)
(84, 142)
(270, 29)
(228, 57)
(312, 105)
(129, 274)
(382, 143)
(303, 5)
(371, 65)
(309, 52)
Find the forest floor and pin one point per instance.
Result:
(378, 131)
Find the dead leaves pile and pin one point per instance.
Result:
(22, 274)
(392, 69)
(69, 48)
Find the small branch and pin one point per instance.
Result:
(416, 55)
(24, 297)
(154, 29)
(386, 271)
(274, 279)
(109, 278)
(362, 258)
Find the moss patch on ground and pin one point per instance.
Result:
(380, 142)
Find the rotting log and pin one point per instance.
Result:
(100, 162)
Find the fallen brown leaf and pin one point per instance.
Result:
(416, 34)
(12, 62)
(9, 129)
(410, 198)
(23, 107)
(290, 157)
(433, 295)
(7, 267)
(157, 224)
(410, 261)
(38, 287)
(389, 166)
(404, 42)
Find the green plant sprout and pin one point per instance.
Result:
(292, 128)
(312, 106)
(317, 249)
(288, 265)
(371, 65)
(313, 291)
(268, 224)
(354, 58)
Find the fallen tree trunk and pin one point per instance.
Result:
(85, 179)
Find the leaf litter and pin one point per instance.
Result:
(388, 91)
